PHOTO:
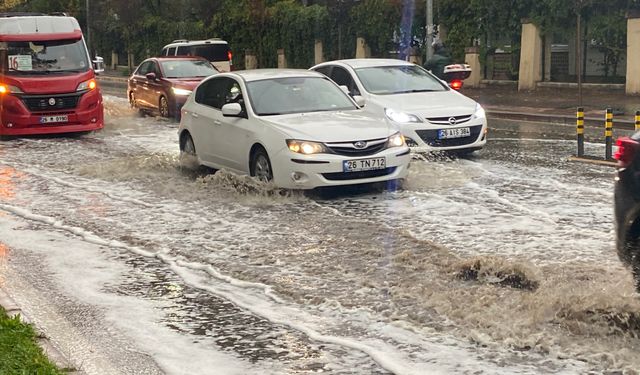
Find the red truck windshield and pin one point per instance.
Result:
(43, 57)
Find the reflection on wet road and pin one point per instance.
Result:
(498, 263)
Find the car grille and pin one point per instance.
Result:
(349, 149)
(430, 137)
(342, 176)
(447, 120)
(41, 102)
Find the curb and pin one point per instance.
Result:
(556, 119)
(112, 79)
(55, 356)
(593, 160)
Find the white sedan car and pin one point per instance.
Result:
(432, 116)
(293, 127)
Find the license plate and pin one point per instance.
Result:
(52, 119)
(364, 164)
(454, 133)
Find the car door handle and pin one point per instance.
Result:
(217, 122)
(195, 115)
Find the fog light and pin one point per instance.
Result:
(299, 177)
(410, 142)
(94, 120)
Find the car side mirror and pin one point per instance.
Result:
(98, 65)
(232, 110)
(360, 101)
(151, 76)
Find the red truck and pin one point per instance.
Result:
(47, 81)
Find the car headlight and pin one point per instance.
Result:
(87, 85)
(305, 147)
(479, 113)
(401, 117)
(396, 140)
(8, 89)
(180, 92)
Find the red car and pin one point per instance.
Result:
(163, 84)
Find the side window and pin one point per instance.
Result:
(164, 52)
(214, 92)
(342, 78)
(172, 51)
(324, 70)
(234, 94)
(183, 51)
(154, 68)
(143, 68)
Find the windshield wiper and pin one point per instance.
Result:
(270, 114)
(416, 90)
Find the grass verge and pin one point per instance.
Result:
(19, 352)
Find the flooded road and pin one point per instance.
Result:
(501, 263)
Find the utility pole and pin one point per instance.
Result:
(428, 30)
(86, 3)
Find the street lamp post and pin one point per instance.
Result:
(428, 30)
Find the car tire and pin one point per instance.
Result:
(261, 166)
(188, 156)
(163, 107)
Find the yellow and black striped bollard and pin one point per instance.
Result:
(608, 135)
(637, 120)
(580, 130)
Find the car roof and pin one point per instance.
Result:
(183, 42)
(369, 63)
(260, 74)
(179, 57)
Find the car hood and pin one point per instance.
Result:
(336, 126)
(429, 104)
(185, 83)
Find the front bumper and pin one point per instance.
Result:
(297, 171)
(423, 137)
(16, 119)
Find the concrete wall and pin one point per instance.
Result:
(472, 57)
(530, 57)
(633, 55)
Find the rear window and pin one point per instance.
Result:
(212, 52)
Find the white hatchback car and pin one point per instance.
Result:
(293, 127)
(432, 116)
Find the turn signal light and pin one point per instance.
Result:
(3, 89)
(627, 149)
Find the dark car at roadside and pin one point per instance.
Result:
(163, 84)
(627, 203)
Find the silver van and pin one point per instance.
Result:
(215, 50)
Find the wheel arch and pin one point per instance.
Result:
(184, 133)
(252, 152)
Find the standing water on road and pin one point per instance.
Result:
(499, 263)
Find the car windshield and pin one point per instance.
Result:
(187, 68)
(296, 95)
(59, 56)
(399, 79)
